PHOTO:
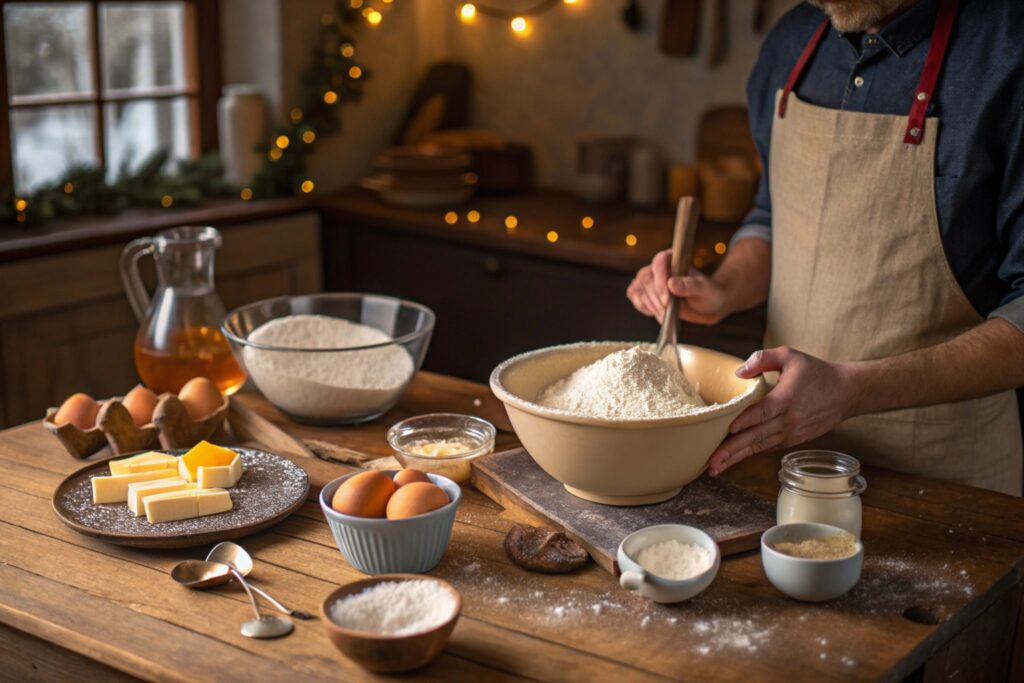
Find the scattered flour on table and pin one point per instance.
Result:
(324, 385)
(395, 608)
(631, 384)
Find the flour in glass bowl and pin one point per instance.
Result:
(631, 384)
(326, 385)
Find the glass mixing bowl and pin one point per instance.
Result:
(312, 383)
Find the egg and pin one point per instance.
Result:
(416, 498)
(140, 403)
(364, 495)
(201, 397)
(409, 476)
(79, 410)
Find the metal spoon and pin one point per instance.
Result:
(203, 574)
(236, 557)
(687, 217)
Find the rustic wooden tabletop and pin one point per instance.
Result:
(940, 593)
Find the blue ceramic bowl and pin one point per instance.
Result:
(383, 546)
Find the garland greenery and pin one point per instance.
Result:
(333, 78)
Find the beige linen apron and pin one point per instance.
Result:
(859, 272)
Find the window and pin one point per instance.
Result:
(106, 84)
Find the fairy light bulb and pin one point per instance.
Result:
(520, 26)
(374, 17)
(245, 194)
(473, 216)
(587, 222)
(552, 236)
(451, 218)
(308, 137)
(355, 72)
(347, 50)
(307, 186)
(282, 141)
(511, 222)
(467, 13)
(720, 248)
(630, 240)
(330, 97)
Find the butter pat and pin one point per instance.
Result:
(143, 462)
(211, 466)
(222, 476)
(178, 505)
(114, 489)
(139, 491)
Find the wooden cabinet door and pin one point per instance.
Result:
(65, 325)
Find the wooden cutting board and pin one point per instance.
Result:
(732, 516)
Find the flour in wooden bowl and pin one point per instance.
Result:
(631, 384)
(309, 380)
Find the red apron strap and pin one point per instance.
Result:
(930, 74)
(801, 64)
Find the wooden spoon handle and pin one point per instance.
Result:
(684, 235)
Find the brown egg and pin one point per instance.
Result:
(364, 495)
(79, 410)
(140, 403)
(409, 476)
(201, 397)
(416, 498)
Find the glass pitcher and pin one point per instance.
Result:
(179, 333)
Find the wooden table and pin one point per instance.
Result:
(71, 606)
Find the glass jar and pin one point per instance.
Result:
(823, 487)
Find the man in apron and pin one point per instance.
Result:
(887, 238)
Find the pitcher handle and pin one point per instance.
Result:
(138, 297)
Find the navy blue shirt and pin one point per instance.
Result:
(979, 99)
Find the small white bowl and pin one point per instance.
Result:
(807, 579)
(656, 588)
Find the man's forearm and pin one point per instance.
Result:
(985, 360)
(745, 274)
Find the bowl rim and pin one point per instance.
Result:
(341, 517)
(676, 583)
(486, 447)
(757, 388)
(775, 554)
(369, 581)
(427, 328)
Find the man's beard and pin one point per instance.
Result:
(853, 16)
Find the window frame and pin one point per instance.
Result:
(202, 83)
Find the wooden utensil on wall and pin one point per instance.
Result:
(680, 22)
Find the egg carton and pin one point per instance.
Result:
(172, 427)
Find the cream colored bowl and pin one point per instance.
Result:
(621, 462)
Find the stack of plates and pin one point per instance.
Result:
(423, 176)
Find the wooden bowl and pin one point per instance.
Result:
(382, 653)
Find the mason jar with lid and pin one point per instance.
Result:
(821, 486)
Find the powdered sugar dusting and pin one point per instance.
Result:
(269, 485)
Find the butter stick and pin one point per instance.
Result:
(186, 504)
(114, 488)
(139, 491)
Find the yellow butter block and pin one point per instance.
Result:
(222, 476)
(143, 462)
(114, 489)
(204, 454)
(178, 505)
(139, 491)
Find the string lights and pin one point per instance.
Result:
(518, 19)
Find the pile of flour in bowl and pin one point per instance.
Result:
(326, 385)
(631, 384)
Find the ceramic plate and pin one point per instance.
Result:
(271, 488)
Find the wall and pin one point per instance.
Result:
(579, 74)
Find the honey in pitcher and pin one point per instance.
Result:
(187, 353)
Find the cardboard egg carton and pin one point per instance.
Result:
(172, 427)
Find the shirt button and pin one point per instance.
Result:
(858, 81)
(872, 41)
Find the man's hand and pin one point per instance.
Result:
(811, 397)
(739, 283)
(702, 300)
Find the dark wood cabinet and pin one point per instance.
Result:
(492, 304)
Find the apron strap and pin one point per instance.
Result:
(801, 64)
(930, 74)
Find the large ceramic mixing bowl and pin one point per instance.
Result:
(621, 462)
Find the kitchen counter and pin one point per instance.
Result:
(940, 596)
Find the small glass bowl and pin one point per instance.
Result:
(442, 427)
